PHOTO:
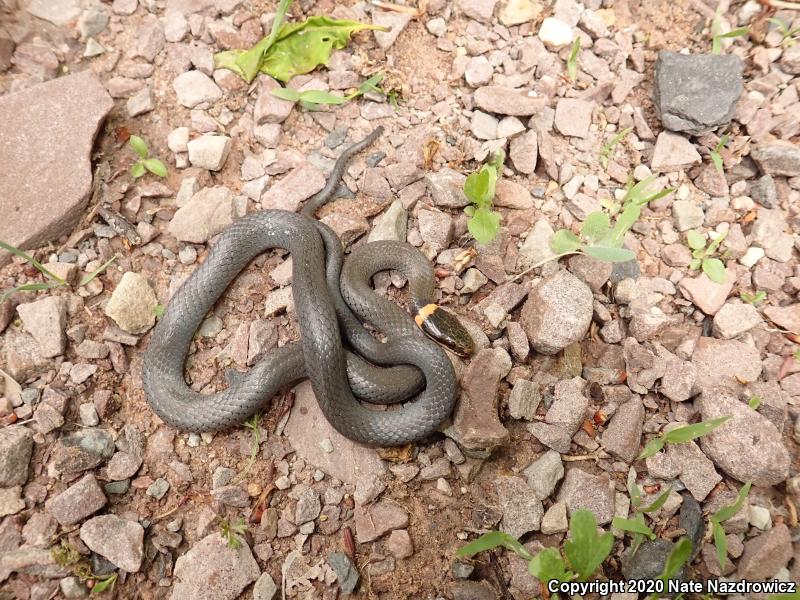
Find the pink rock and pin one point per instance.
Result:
(705, 294)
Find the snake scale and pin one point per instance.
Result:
(331, 302)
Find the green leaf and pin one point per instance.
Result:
(484, 225)
(754, 299)
(469, 210)
(738, 32)
(35, 263)
(635, 494)
(564, 241)
(286, 94)
(754, 402)
(695, 240)
(715, 269)
(138, 146)
(491, 540)
(609, 254)
(626, 220)
(652, 447)
(548, 565)
(90, 276)
(676, 559)
(155, 166)
(30, 287)
(687, 433)
(695, 264)
(104, 584)
(138, 170)
(371, 84)
(633, 525)
(726, 512)
(586, 550)
(659, 502)
(572, 60)
(596, 226)
(720, 542)
(158, 310)
(479, 187)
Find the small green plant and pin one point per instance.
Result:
(702, 255)
(681, 435)
(638, 194)
(572, 60)
(637, 525)
(53, 280)
(584, 551)
(723, 514)
(67, 556)
(312, 99)
(717, 35)
(291, 48)
(103, 585)
(479, 188)
(677, 558)
(754, 402)
(716, 157)
(253, 425)
(789, 36)
(232, 530)
(754, 299)
(145, 163)
(607, 150)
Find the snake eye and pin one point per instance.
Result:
(446, 329)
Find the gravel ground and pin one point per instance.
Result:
(579, 364)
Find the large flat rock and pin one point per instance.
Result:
(45, 150)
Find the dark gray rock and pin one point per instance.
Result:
(764, 192)
(698, 92)
(346, 571)
(648, 560)
(83, 450)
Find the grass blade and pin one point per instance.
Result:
(90, 276)
(39, 266)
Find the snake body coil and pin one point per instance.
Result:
(335, 374)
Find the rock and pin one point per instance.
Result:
(554, 33)
(544, 473)
(593, 272)
(132, 304)
(472, 590)
(82, 450)
(785, 317)
(747, 447)
(392, 224)
(265, 588)
(346, 571)
(208, 212)
(557, 313)
(507, 101)
(46, 320)
(697, 93)
(399, 544)
(269, 108)
(564, 417)
(624, 432)
(522, 509)
(734, 319)
(594, 493)
(446, 188)
(395, 21)
(677, 382)
(11, 501)
(525, 396)
(483, 126)
(687, 462)
(555, 519)
(16, 446)
(764, 191)
(510, 194)
(349, 461)
(209, 151)
(47, 173)
(647, 563)
(58, 12)
(476, 422)
(766, 554)
(573, 117)
(119, 540)
(709, 296)
(308, 507)
(724, 364)
(478, 72)
(777, 158)
(195, 89)
(517, 12)
(212, 569)
(524, 151)
(81, 499)
(303, 182)
(536, 247)
(374, 520)
(790, 60)
(480, 10)
(673, 152)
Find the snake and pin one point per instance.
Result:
(333, 299)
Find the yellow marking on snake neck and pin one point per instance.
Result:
(425, 312)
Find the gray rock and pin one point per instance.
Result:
(565, 416)
(231, 495)
(624, 432)
(209, 151)
(507, 101)
(395, 21)
(308, 507)
(132, 304)
(555, 519)
(558, 312)
(58, 12)
(524, 398)
(303, 182)
(536, 247)
(592, 492)
(265, 588)
(697, 93)
(522, 509)
(11, 501)
(480, 10)
(391, 225)
(764, 191)
(119, 540)
(212, 569)
(158, 489)
(483, 126)
(346, 571)
(208, 212)
(734, 319)
(435, 228)
(16, 446)
(375, 520)
(150, 38)
(544, 473)
(673, 152)
(687, 215)
(446, 188)
(687, 462)
(81, 499)
(777, 158)
(748, 447)
(478, 72)
(82, 450)
(573, 117)
(724, 364)
(648, 561)
(46, 320)
(524, 152)
(194, 89)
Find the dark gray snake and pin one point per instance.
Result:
(326, 301)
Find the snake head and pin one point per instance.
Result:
(445, 328)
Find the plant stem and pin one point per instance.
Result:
(540, 263)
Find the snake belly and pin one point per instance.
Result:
(319, 355)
